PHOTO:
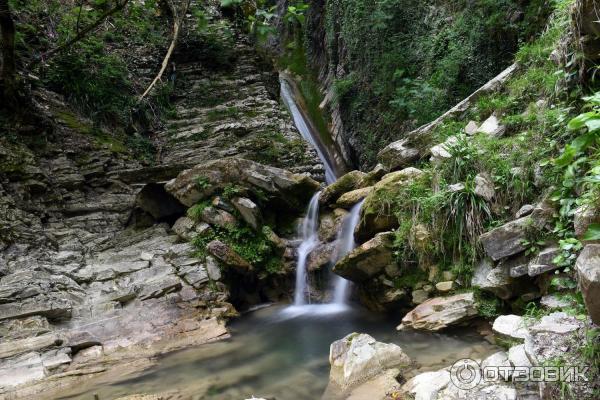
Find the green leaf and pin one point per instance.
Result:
(592, 233)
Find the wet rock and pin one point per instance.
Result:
(321, 256)
(330, 224)
(375, 215)
(397, 155)
(358, 357)
(368, 259)
(506, 240)
(281, 187)
(347, 200)
(511, 327)
(588, 272)
(349, 182)
(228, 256)
(492, 127)
(440, 312)
(249, 211)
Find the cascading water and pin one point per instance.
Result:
(310, 224)
(287, 94)
(346, 244)
(310, 239)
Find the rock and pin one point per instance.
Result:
(584, 216)
(444, 286)
(555, 302)
(518, 357)
(588, 273)
(16, 347)
(222, 204)
(506, 240)
(511, 327)
(25, 368)
(348, 182)
(471, 128)
(397, 155)
(347, 200)
(281, 187)
(367, 260)
(321, 256)
(375, 214)
(194, 274)
(544, 261)
(212, 269)
(492, 127)
(440, 312)
(155, 200)
(184, 228)
(524, 211)
(330, 224)
(55, 358)
(427, 385)
(419, 296)
(50, 307)
(228, 256)
(159, 287)
(249, 211)
(484, 187)
(495, 280)
(78, 340)
(499, 359)
(218, 217)
(556, 323)
(443, 151)
(359, 357)
(456, 187)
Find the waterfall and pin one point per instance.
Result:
(346, 244)
(310, 224)
(287, 94)
(310, 239)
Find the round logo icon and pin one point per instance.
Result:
(465, 374)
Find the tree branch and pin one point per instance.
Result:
(177, 22)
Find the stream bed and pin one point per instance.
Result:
(274, 353)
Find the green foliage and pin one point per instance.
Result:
(230, 191)
(488, 306)
(569, 250)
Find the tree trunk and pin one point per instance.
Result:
(8, 75)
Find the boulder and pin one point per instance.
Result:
(484, 187)
(218, 217)
(510, 327)
(368, 259)
(544, 261)
(524, 211)
(588, 272)
(419, 296)
(471, 128)
(427, 385)
(375, 214)
(349, 182)
(444, 286)
(584, 216)
(359, 357)
(228, 256)
(321, 256)
(280, 187)
(347, 200)
(184, 228)
(440, 312)
(558, 323)
(492, 127)
(443, 151)
(397, 155)
(506, 240)
(249, 211)
(330, 224)
(496, 280)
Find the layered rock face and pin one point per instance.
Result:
(93, 267)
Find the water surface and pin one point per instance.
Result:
(283, 353)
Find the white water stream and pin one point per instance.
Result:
(310, 225)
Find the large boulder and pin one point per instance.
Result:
(351, 181)
(249, 211)
(397, 155)
(347, 200)
(506, 240)
(367, 260)
(510, 327)
(588, 271)
(279, 186)
(440, 312)
(497, 279)
(228, 256)
(359, 357)
(376, 215)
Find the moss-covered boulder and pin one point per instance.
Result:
(277, 186)
(377, 213)
(367, 260)
(351, 181)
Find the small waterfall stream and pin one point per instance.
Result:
(310, 223)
